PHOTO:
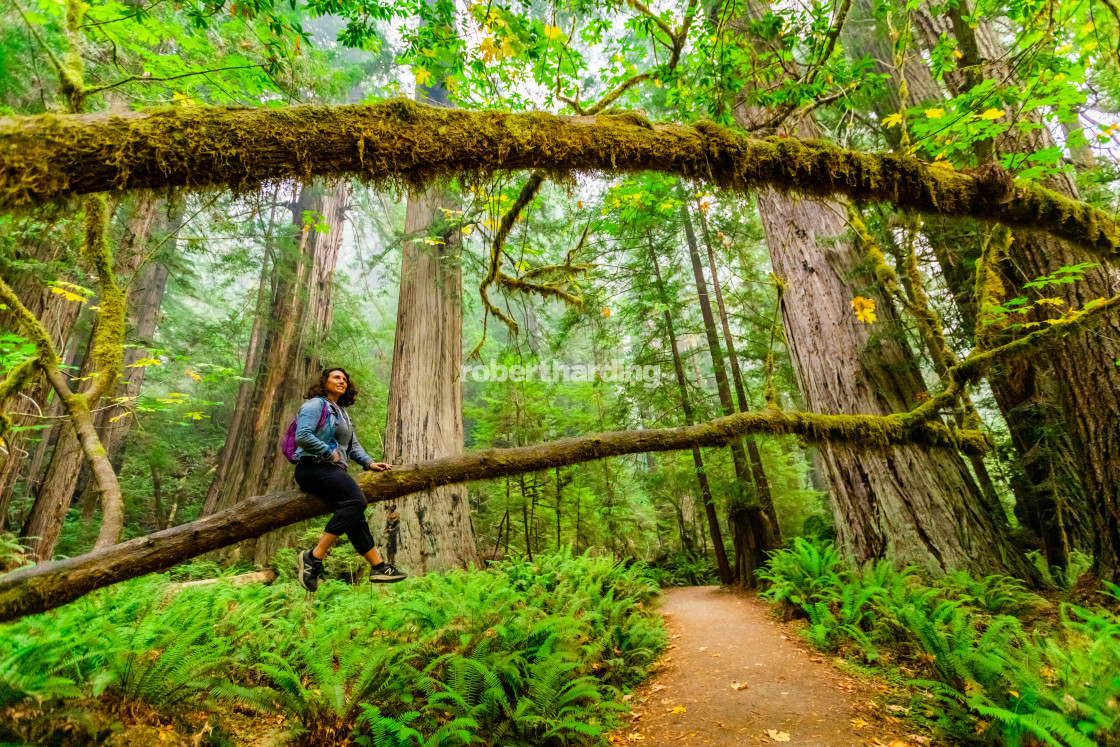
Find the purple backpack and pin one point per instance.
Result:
(288, 443)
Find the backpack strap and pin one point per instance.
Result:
(324, 414)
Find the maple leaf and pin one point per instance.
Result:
(705, 207)
(935, 113)
(778, 736)
(893, 120)
(551, 32)
(423, 76)
(992, 113)
(605, 311)
(858, 723)
(678, 709)
(736, 685)
(193, 375)
(864, 309)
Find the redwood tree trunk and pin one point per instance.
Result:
(43, 527)
(425, 406)
(59, 316)
(297, 315)
(1086, 377)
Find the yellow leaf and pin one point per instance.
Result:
(736, 685)
(67, 294)
(705, 207)
(635, 737)
(551, 32)
(605, 311)
(579, 205)
(1051, 301)
(120, 417)
(1013, 693)
(957, 54)
(467, 230)
(778, 736)
(423, 76)
(992, 113)
(678, 709)
(935, 113)
(893, 120)
(146, 362)
(193, 375)
(864, 309)
(858, 723)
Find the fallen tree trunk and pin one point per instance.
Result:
(266, 576)
(407, 144)
(49, 585)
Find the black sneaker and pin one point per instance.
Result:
(308, 570)
(385, 574)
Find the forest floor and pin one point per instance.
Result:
(734, 675)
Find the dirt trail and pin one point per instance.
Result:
(724, 637)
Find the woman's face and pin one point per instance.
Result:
(336, 383)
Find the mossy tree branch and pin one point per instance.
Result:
(43, 587)
(409, 144)
(77, 407)
(49, 585)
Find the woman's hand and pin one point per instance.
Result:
(335, 458)
(378, 466)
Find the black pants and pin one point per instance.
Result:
(333, 486)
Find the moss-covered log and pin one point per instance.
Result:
(49, 157)
(49, 585)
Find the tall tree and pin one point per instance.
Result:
(726, 575)
(44, 523)
(910, 505)
(425, 413)
(296, 315)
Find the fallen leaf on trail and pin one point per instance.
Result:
(666, 701)
(816, 659)
(898, 743)
(858, 723)
(635, 737)
(917, 738)
(713, 655)
(736, 685)
(703, 648)
(678, 709)
(678, 635)
(657, 688)
(778, 736)
(898, 709)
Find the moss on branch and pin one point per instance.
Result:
(409, 144)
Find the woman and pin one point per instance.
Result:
(323, 452)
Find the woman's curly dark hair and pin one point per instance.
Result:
(319, 388)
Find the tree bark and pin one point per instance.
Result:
(46, 586)
(53, 157)
(1086, 377)
(425, 413)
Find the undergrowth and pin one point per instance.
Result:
(519, 654)
(988, 661)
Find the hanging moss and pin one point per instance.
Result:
(107, 347)
(399, 142)
(20, 377)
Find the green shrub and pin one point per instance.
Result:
(519, 654)
(994, 681)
